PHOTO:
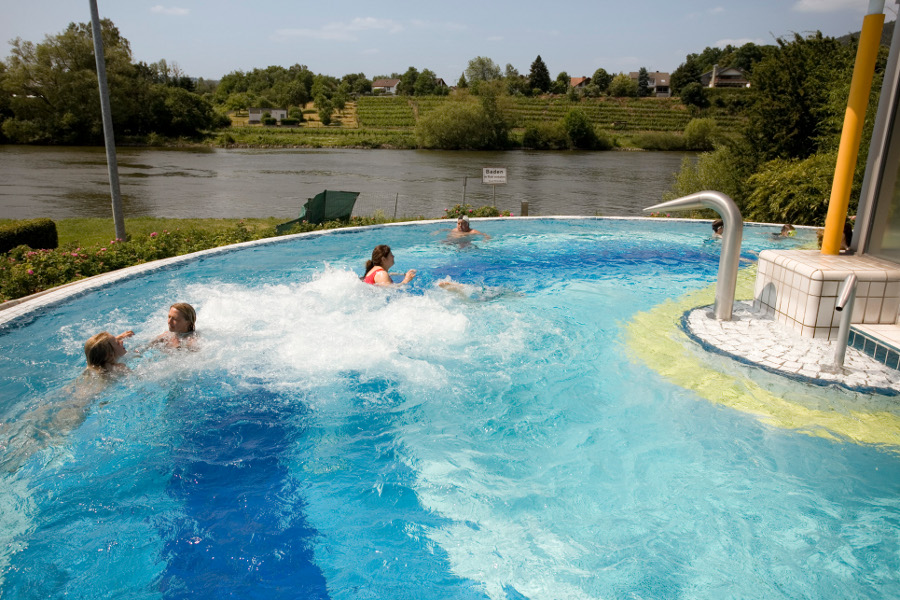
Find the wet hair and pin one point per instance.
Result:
(99, 350)
(378, 255)
(187, 311)
(718, 224)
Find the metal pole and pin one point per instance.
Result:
(844, 305)
(397, 199)
(465, 181)
(729, 260)
(109, 139)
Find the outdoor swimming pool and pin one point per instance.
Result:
(335, 440)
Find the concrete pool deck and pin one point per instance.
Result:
(756, 338)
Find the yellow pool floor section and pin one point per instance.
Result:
(655, 337)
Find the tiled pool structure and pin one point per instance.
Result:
(756, 337)
(800, 287)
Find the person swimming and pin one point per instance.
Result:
(378, 267)
(463, 229)
(182, 324)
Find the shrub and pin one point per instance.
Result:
(269, 121)
(579, 130)
(701, 134)
(719, 170)
(36, 233)
(461, 210)
(290, 122)
(694, 94)
(793, 191)
(656, 140)
(545, 136)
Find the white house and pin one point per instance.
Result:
(276, 113)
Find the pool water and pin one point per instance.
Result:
(335, 440)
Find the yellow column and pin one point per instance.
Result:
(860, 86)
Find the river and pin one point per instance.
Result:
(60, 182)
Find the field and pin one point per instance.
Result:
(390, 121)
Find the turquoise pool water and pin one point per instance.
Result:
(333, 440)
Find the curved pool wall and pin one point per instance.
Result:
(335, 440)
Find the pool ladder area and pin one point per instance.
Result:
(732, 235)
(844, 305)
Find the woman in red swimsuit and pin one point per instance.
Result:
(377, 268)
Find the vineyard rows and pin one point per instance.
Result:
(650, 114)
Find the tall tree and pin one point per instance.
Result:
(601, 79)
(687, 72)
(643, 83)
(792, 98)
(482, 69)
(407, 85)
(426, 83)
(53, 87)
(539, 75)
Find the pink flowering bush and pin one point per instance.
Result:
(24, 271)
(466, 209)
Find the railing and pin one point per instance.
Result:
(844, 305)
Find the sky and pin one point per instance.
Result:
(209, 39)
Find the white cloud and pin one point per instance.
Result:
(343, 32)
(169, 10)
(737, 43)
(717, 10)
(823, 6)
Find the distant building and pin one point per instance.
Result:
(579, 82)
(732, 77)
(276, 113)
(385, 86)
(658, 83)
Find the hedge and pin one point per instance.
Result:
(36, 233)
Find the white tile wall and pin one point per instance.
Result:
(800, 287)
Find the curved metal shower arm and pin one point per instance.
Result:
(731, 241)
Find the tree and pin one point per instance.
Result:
(464, 123)
(462, 83)
(792, 103)
(579, 129)
(426, 84)
(482, 69)
(357, 83)
(694, 94)
(515, 83)
(52, 87)
(643, 83)
(325, 109)
(601, 79)
(687, 72)
(539, 75)
(407, 84)
(623, 86)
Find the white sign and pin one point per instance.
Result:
(493, 175)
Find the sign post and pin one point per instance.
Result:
(493, 176)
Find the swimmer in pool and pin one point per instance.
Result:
(377, 269)
(103, 352)
(66, 409)
(464, 230)
(182, 333)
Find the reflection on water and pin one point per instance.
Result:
(73, 182)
